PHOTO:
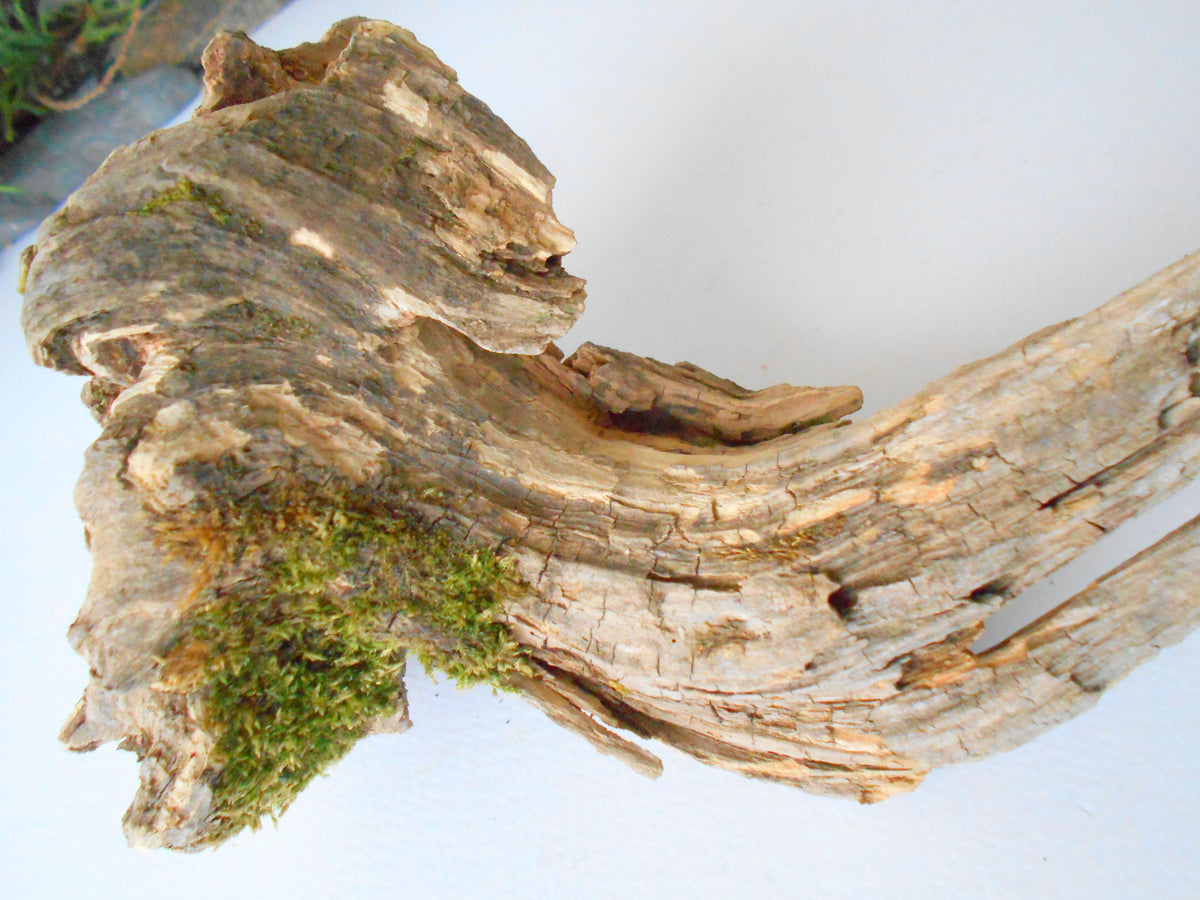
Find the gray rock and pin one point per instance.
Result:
(61, 152)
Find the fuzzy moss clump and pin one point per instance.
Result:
(183, 191)
(294, 657)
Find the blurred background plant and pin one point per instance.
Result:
(49, 50)
(79, 78)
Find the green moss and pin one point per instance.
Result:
(296, 657)
(263, 320)
(184, 191)
(407, 157)
(27, 256)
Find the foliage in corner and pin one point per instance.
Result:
(294, 656)
(40, 52)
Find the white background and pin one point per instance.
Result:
(811, 192)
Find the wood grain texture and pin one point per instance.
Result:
(346, 264)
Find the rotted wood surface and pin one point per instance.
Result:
(346, 262)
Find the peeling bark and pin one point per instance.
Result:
(745, 576)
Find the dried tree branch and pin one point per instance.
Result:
(345, 270)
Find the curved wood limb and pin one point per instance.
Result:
(345, 264)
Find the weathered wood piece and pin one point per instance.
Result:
(346, 267)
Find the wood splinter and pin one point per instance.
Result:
(318, 323)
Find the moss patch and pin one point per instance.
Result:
(293, 656)
(184, 191)
(27, 256)
(263, 321)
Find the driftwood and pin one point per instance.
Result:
(347, 269)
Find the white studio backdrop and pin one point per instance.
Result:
(816, 193)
